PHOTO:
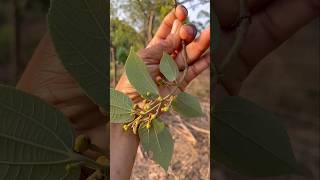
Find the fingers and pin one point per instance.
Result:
(228, 10)
(188, 33)
(171, 44)
(273, 26)
(153, 53)
(195, 49)
(269, 28)
(194, 70)
(164, 30)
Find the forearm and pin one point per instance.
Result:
(123, 151)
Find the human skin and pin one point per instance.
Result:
(168, 38)
(272, 23)
(46, 78)
(270, 27)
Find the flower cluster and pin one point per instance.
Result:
(149, 110)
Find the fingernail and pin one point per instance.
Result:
(194, 29)
(175, 27)
(184, 9)
(190, 30)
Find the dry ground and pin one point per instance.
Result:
(285, 83)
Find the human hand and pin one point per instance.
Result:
(46, 78)
(168, 38)
(272, 23)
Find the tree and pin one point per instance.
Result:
(145, 15)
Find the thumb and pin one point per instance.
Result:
(169, 45)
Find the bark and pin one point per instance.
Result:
(150, 25)
(114, 64)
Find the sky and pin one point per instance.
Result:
(192, 12)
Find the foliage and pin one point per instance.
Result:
(202, 14)
(141, 14)
(121, 107)
(246, 138)
(50, 150)
(250, 140)
(41, 131)
(144, 118)
(123, 37)
(157, 141)
(82, 46)
(139, 77)
(168, 67)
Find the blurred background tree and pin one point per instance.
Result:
(22, 24)
(134, 22)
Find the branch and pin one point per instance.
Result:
(242, 30)
(244, 22)
(142, 9)
(186, 66)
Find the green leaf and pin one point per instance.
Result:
(187, 105)
(36, 140)
(168, 67)
(139, 76)
(250, 140)
(157, 142)
(79, 32)
(120, 107)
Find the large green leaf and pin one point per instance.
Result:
(120, 107)
(36, 140)
(79, 32)
(139, 76)
(168, 67)
(157, 142)
(187, 105)
(250, 140)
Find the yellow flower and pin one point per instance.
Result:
(165, 109)
(146, 107)
(148, 125)
(125, 127)
(102, 160)
(82, 144)
(152, 116)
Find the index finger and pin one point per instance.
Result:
(228, 10)
(164, 30)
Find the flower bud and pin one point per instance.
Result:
(165, 109)
(142, 113)
(146, 107)
(102, 160)
(144, 101)
(125, 127)
(152, 116)
(82, 143)
(148, 125)
(135, 106)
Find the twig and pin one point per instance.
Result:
(242, 30)
(198, 129)
(185, 58)
(187, 131)
(244, 22)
